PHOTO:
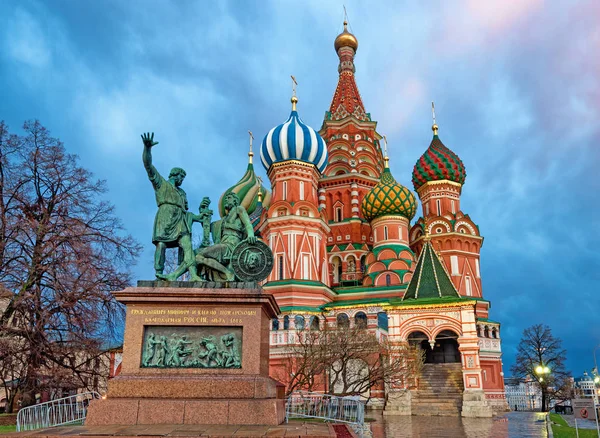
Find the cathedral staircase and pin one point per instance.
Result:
(440, 390)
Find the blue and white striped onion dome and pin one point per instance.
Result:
(293, 140)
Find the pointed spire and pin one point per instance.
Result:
(250, 153)
(430, 280)
(346, 99)
(294, 99)
(434, 127)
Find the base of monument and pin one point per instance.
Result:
(145, 411)
(291, 429)
(206, 386)
(193, 355)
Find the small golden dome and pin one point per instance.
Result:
(345, 39)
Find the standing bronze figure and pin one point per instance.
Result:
(172, 227)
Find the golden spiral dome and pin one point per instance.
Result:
(345, 39)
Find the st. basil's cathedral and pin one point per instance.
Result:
(346, 254)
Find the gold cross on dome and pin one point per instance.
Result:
(294, 85)
(250, 153)
(386, 159)
(385, 146)
(434, 127)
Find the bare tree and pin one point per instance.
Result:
(347, 362)
(540, 356)
(62, 253)
(12, 366)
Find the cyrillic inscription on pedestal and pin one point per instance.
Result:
(192, 347)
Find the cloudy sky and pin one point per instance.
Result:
(516, 85)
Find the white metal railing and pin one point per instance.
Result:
(67, 410)
(326, 407)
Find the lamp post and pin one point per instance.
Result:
(596, 381)
(541, 371)
(595, 399)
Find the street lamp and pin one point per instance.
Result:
(541, 371)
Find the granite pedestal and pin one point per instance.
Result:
(204, 388)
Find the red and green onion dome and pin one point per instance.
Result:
(388, 198)
(438, 163)
(247, 190)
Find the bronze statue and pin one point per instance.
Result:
(172, 224)
(236, 253)
(234, 228)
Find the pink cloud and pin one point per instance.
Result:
(479, 24)
(499, 16)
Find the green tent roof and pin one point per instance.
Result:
(430, 279)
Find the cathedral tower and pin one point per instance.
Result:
(438, 177)
(294, 156)
(355, 165)
(389, 207)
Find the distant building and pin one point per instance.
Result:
(523, 395)
(585, 385)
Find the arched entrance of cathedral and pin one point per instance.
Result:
(422, 340)
(445, 349)
(439, 389)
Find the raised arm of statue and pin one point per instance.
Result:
(153, 175)
(243, 215)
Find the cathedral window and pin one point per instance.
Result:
(385, 233)
(426, 209)
(286, 322)
(342, 320)
(305, 266)
(479, 331)
(338, 214)
(382, 321)
(280, 267)
(438, 203)
(304, 212)
(454, 264)
(486, 332)
(400, 233)
(453, 207)
(477, 268)
(275, 324)
(302, 190)
(299, 322)
(284, 190)
(494, 332)
(388, 279)
(363, 264)
(360, 320)
(337, 269)
(468, 286)
(314, 323)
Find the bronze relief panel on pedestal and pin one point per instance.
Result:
(191, 347)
